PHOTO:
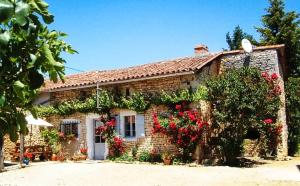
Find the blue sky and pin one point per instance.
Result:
(110, 34)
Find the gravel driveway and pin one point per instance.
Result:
(105, 173)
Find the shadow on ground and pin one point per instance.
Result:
(246, 163)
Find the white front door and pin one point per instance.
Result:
(99, 142)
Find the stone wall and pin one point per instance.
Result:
(71, 148)
(33, 138)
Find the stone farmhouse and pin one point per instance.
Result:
(168, 75)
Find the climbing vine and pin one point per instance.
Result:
(138, 102)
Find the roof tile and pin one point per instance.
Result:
(184, 64)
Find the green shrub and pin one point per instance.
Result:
(293, 114)
(144, 156)
(124, 157)
(242, 99)
(134, 151)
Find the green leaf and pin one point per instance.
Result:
(70, 50)
(32, 62)
(6, 10)
(21, 12)
(47, 54)
(2, 100)
(19, 85)
(39, 5)
(4, 38)
(20, 118)
(48, 18)
(42, 8)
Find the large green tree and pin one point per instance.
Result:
(235, 40)
(28, 51)
(281, 27)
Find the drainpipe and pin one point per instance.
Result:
(97, 94)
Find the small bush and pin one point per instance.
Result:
(144, 156)
(124, 157)
(134, 151)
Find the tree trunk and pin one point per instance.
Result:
(1, 153)
(21, 155)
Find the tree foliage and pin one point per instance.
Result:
(293, 107)
(281, 27)
(235, 40)
(244, 99)
(28, 51)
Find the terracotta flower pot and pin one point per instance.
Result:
(167, 161)
(61, 158)
(83, 157)
(54, 157)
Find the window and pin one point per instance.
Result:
(129, 122)
(69, 127)
(98, 137)
(127, 92)
(82, 95)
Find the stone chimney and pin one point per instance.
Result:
(201, 49)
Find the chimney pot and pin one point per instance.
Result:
(201, 49)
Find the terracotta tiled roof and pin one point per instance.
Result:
(168, 67)
(180, 65)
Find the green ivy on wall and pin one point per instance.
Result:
(138, 102)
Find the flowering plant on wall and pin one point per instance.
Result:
(184, 127)
(116, 147)
(244, 99)
(107, 131)
(66, 138)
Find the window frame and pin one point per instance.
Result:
(70, 126)
(132, 130)
(122, 115)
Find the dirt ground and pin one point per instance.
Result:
(106, 173)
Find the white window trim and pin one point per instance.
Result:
(124, 113)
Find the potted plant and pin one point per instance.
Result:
(51, 137)
(83, 152)
(61, 153)
(167, 157)
(55, 150)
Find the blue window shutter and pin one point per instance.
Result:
(62, 128)
(78, 130)
(118, 123)
(140, 125)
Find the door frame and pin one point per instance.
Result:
(94, 144)
(90, 117)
